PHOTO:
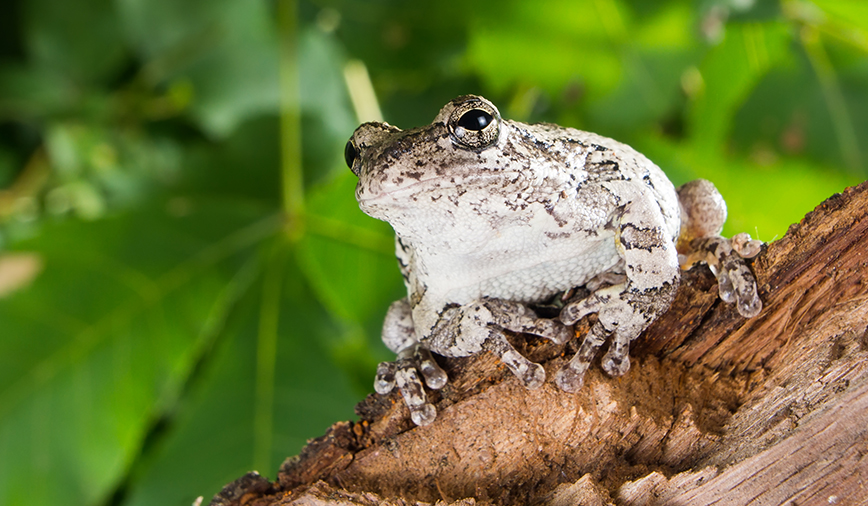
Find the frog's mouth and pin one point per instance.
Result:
(435, 188)
(378, 194)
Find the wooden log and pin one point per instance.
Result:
(716, 409)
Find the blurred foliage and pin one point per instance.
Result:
(165, 326)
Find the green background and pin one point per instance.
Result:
(188, 290)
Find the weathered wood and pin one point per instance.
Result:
(716, 409)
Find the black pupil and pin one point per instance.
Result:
(475, 119)
(350, 154)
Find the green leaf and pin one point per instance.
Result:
(553, 54)
(215, 435)
(327, 117)
(797, 187)
(851, 14)
(99, 345)
(729, 73)
(226, 50)
(29, 93)
(348, 257)
(83, 39)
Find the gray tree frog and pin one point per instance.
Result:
(492, 215)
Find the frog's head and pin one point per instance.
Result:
(407, 174)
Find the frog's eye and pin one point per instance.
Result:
(474, 124)
(475, 119)
(350, 154)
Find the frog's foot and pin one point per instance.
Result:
(482, 325)
(517, 317)
(571, 377)
(616, 361)
(725, 258)
(531, 374)
(623, 314)
(703, 214)
(403, 373)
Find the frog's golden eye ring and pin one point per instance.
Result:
(474, 124)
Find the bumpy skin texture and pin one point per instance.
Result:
(491, 215)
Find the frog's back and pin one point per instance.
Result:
(589, 162)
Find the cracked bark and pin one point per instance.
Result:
(716, 409)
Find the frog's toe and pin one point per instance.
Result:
(519, 318)
(745, 246)
(421, 412)
(552, 330)
(749, 303)
(531, 374)
(435, 377)
(563, 333)
(736, 282)
(423, 415)
(534, 376)
(575, 311)
(570, 377)
(725, 288)
(739, 281)
(384, 382)
(616, 361)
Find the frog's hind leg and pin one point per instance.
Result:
(403, 373)
(619, 331)
(703, 214)
(625, 309)
(531, 374)
(735, 281)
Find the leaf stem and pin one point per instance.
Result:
(266, 357)
(844, 131)
(290, 116)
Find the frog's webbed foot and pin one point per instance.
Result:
(403, 374)
(482, 325)
(517, 317)
(726, 259)
(620, 320)
(703, 214)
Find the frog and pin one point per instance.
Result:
(494, 217)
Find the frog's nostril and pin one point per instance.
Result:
(350, 154)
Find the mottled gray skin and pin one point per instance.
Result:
(490, 217)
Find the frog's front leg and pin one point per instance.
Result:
(481, 325)
(625, 309)
(459, 331)
(399, 336)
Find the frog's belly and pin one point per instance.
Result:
(535, 277)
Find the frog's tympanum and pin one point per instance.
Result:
(493, 216)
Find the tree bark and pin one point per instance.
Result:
(716, 409)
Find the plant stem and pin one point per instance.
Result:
(844, 131)
(266, 357)
(290, 115)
